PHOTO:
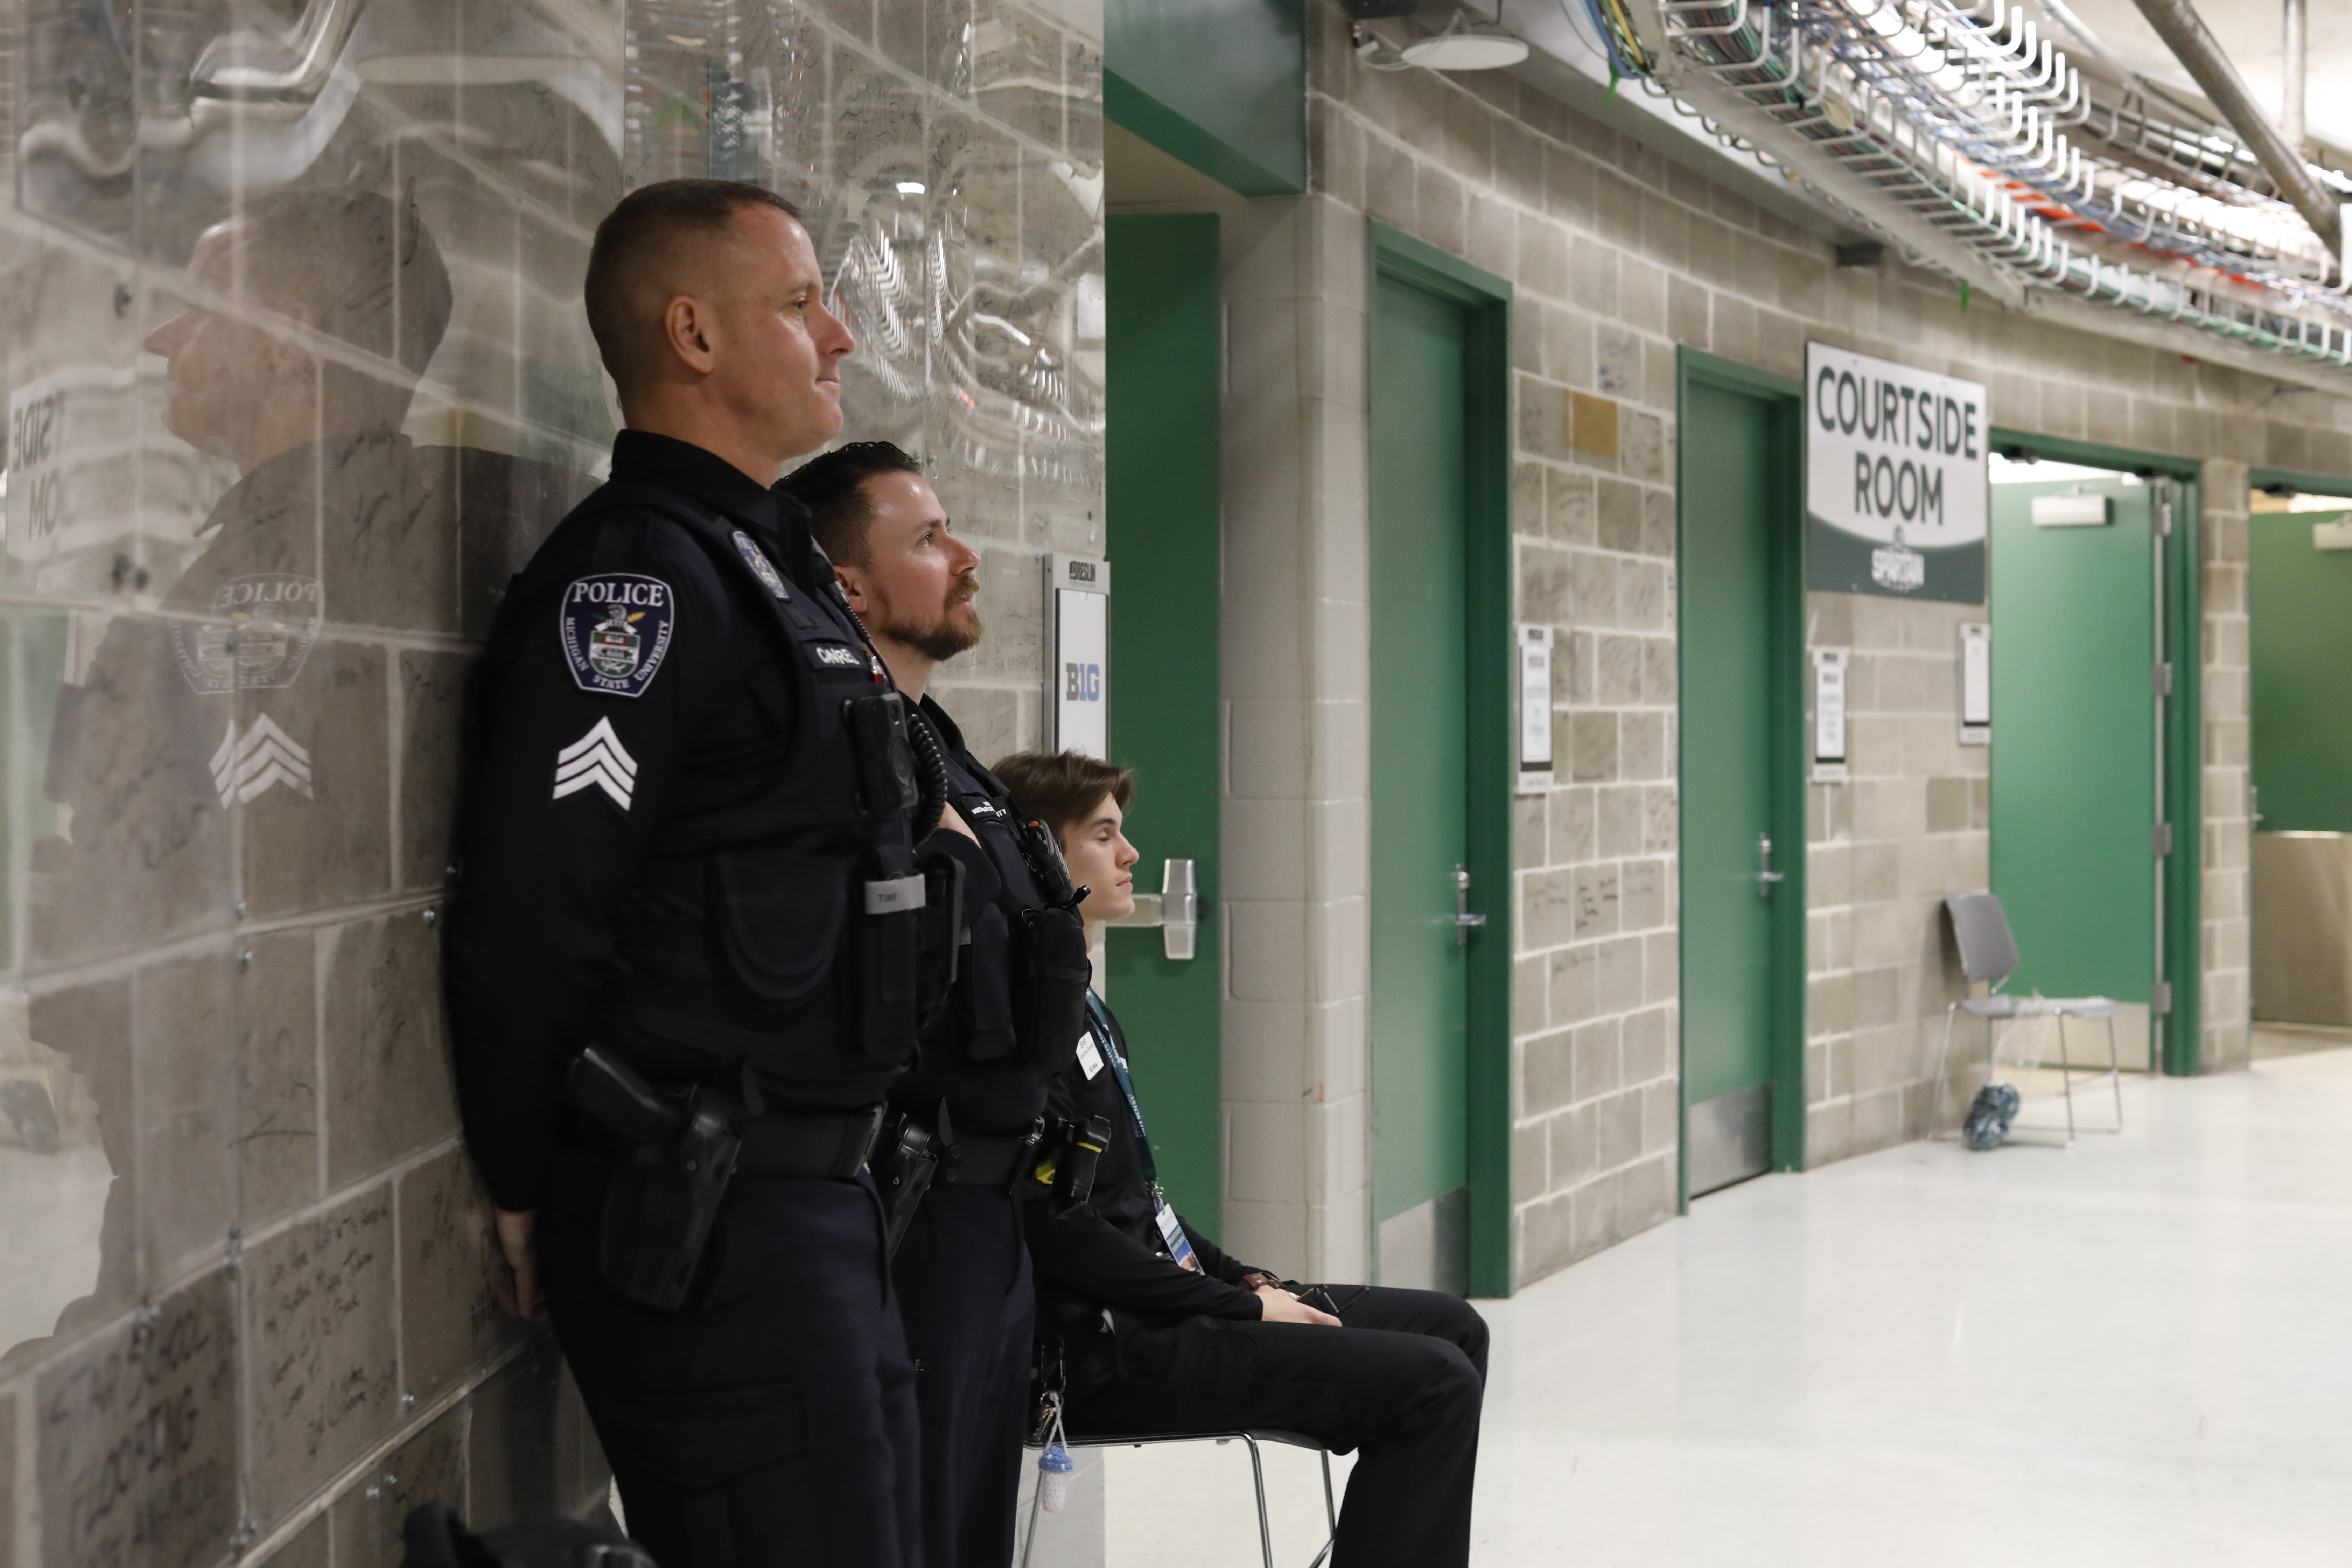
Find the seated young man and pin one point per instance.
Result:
(1159, 1332)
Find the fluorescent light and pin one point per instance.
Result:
(911, 188)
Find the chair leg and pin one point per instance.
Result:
(1943, 1059)
(1035, 1498)
(2066, 1078)
(1264, 1526)
(1330, 1513)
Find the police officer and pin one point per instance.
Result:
(680, 962)
(975, 1098)
(1150, 1328)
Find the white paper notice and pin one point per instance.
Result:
(1829, 713)
(1976, 683)
(1534, 709)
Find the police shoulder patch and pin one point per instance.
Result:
(616, 627)
(762, 567)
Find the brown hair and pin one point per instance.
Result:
(832, 486)
(635, 233)
(1059, 788)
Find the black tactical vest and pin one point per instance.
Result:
(1020, 994)
(799, 956)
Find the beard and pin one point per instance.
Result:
(941, 638)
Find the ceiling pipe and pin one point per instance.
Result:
(2291, 97)
(2184, 32)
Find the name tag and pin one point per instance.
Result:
(1089, 1058)
(1179, 1246)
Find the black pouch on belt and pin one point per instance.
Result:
(1050, 976)
(885, 956)
(664, 1192)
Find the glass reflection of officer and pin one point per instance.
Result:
(219, 746)
(1017, 1008)
(679, 950)
(1150, 1327)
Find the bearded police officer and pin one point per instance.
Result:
(684, 958)
(968, 1118)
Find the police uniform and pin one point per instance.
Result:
(1145, 1343)
(665, 855)
(962, 1268)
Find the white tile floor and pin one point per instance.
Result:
(2136, 1351)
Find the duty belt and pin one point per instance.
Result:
(989, 1161)
(616, 1111)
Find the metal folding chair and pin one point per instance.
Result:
(1989, 952)
(1257, 1478)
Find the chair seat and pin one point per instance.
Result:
(1138, 1439)
(1999, 1006)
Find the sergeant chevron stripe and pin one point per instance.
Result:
(597, 760)
(264, 758)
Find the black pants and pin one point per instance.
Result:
(962, 1274)
(771, 1421)
(1402, 1380)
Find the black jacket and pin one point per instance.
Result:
(1102, 1269)
(602, 762)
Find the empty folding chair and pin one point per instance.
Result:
(1989, 952)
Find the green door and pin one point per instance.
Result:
(2075, 692)
(1420, 754)
(1736, 862)
(2299, 609)
(1162, 530)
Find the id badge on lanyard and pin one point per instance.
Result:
(1172, 1232)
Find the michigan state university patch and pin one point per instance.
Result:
(616, 627)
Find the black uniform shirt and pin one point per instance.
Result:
(1108, 1251)
(576, 788)
(995, 1099)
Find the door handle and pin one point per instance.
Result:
(1765, 875)
(1175, 909)
(1464, 922)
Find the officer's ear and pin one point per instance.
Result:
(686, 323)
(853, 582)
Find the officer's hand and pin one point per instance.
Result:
(952, 820)
(514, 1272)
(1278, 1305)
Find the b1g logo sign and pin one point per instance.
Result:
(1894, 478)
(1082, 683)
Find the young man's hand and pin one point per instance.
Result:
(1277, 1305)
(514, 1267)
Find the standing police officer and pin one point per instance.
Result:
(974, 1103)
(682, 959)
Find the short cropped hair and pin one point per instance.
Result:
(633, 236)
(370, 274)
(1061, 789)
(832, 485)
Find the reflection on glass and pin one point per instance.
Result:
(296, 377)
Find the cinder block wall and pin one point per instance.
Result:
(245, 1315)
(1619, 257)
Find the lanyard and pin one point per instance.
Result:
(1127, 1087)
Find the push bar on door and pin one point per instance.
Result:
(1175, 909)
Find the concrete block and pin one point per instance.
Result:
(449, 1321)
(388, 1090)
(319, 1308)
(136, 1437)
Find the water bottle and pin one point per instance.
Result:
(1054, 1467)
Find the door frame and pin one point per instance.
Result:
(1486, 301)
(2180, 776)
(1167, 701)
(1785, 589)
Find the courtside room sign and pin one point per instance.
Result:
(1894, 478)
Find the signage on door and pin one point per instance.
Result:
(1897, 495)
(1077, 681)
